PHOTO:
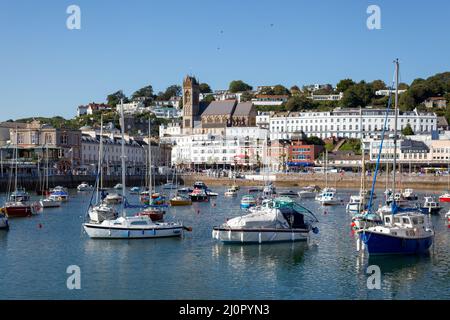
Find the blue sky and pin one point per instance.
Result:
(49, 70)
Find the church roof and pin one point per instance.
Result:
(225, 107)
(243, 109)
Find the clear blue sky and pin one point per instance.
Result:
(49, 70)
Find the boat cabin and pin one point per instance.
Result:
(405, 220)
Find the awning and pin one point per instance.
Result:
(300, 164)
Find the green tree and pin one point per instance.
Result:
(403, 86)
(295, 90)
(239, 86)
(247, 96)
(378, 85)
(407, 130)
(114, 98)
(205, 88)
(358, 95)
(296, 103)
(344, 84)
(313, 140)
(208, 99)
(145, 92)
(171, 91)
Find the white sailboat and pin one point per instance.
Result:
(49, 202)
(101, 211)
(136, 227)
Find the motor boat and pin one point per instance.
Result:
(430, 206)
(287, 193)
(364, 219)
(180, 200)
(50, 203)
(200, 185)
(277, 220)
(329, 198)
(356, 204)
(235, 187)
(19, 195)
(405, 232)
(308, 192)
(170, 186)
(184, 190)
(19, 209)
(135, 190)
(84, 187)
(59, 194)
(4, 225)
(212, 193)
(445, 197)
(97, 214)
(447, 216)
(113, 198)
(255, 189)
(269, 190)
(231, 192)
(137, 227)
(199, 195)
(154, 213)
(118, 186)
(409, 195)
(248, 201)
(398, 198)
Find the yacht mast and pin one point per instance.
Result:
(150, 186)
(100, 159)
(397, 68)
(122, 126)
(17, 158)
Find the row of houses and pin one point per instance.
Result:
(75, 151)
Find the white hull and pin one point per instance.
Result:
(99, 214)
(50, 204)
(96, 231)
(307, 194)
(329, 202)
(259, 235)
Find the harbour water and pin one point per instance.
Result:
(36, 251)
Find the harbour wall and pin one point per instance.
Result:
(346, 181)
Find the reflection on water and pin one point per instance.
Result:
(197, 267)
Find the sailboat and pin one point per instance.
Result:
(404, 230)
(101, 210)
(155, 209)
(49, 202)
(126, 227)
(180, 199)
(19, 202)
(446, 196)
(357, 202)
(327, 196)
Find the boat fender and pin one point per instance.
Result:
(315, 230)
(40, 225)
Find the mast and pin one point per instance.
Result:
(397, 68)
(101, 152)
(326, 168)
(17, 158)
(100, 159)
(150, 186)
(122, 127)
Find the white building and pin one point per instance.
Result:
(327, 97)
(134, 107)
(349, 123)
(240, 146)
(385, 92)
(166, 113)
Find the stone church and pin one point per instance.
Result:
(199, 118)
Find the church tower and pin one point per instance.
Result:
(191, 97)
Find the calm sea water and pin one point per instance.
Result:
(33, 261)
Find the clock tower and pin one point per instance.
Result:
(191, 97)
